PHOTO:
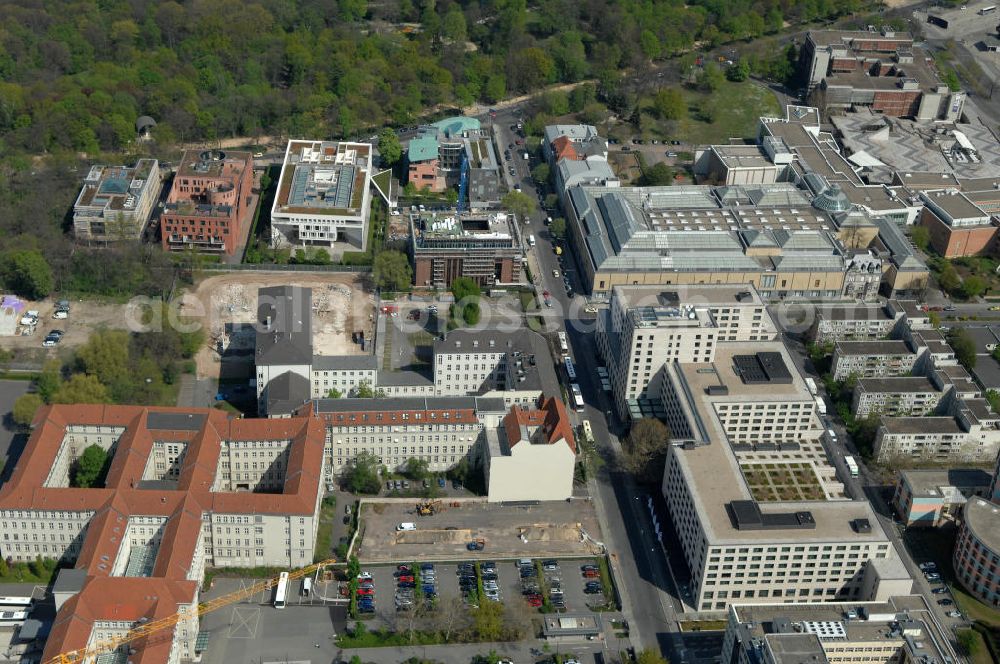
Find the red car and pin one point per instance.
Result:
(535, 601)
(405, 578)
(366, 591)
(591, 573)
(405, 568)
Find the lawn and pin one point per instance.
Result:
(324, 534)
(736, 108)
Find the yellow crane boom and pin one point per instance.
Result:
(147, 629)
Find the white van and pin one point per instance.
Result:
(407, 525)
(531, 240)
(307, 584)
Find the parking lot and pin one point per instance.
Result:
(548, 530)
(255, 631)
(444, 578)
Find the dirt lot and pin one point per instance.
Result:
(227, 304)
(549, 529)
(85, 316)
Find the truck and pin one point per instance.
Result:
(811, 384)
(821, 405)
(852, 465)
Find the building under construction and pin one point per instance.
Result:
(484, 248)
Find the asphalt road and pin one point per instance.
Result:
(649, 598)
(10, 390)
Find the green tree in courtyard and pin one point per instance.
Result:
(89, 467)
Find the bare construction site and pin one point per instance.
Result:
(556, 529)
(226, 305)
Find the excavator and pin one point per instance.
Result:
(428, 507)
(108, 645)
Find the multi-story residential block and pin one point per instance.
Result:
(116, 201)
(647, 327)
(324, 194)
(969, 433)
(739, 544)
(899, 628)
(573, 142)
(882, 71)
(210, 203)
(929, 497)
(443, 150)
(185, 489)
(893, 396)
(532, 455)
(853, 322)
(863, 273)
(977, 551)
(483, 247)
(867, 359)
(957, 226)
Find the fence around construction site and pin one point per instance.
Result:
(276, 267)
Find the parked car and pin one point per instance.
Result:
(52, 338)
(928, 566)
(441, 482)
(592, 590)
(60, 314)
(940, 590)
(946, 602)
(933, 576)
(954, 614)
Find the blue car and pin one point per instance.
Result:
(427, 567)
(428, 590)
(441, 482)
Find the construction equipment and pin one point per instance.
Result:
(145, 630)
(428, 507)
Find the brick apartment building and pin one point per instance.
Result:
(210, 202)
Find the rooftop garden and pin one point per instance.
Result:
(772, 482)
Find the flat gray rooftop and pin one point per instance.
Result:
(927, 482)
(896, 384)
(983, 519)
(905, 425)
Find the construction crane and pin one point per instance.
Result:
(429, 507)
(150, 628)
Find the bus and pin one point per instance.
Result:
(281, 591)
(852, 465)
(12, 603)
(987, 10)
(588, 431)
(570, 369)
(577, 397)
(563, 342)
